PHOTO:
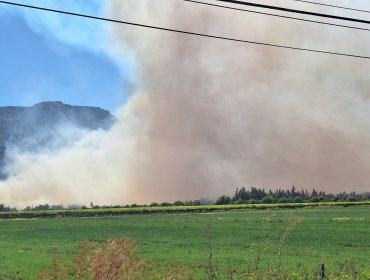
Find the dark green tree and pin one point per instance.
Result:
(223, 200)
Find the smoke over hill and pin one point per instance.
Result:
(30, 133)
(47, 126)
(43, 127)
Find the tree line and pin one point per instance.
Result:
(241, 196)
(260, 195)
(4, 208)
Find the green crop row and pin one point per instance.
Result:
(168, 209)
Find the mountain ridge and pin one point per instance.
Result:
(37, 126)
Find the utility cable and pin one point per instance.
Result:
(333, 6)
(183, 32)
(294, 11)
(275, 15)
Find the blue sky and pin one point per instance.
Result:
(46, 56)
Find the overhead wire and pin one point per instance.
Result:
(288, 10)
(182, 31)
(276, 15)
(332, 6)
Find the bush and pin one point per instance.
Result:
(315, 199)
(284, 200)
(223, 200)
(297, 200)
(178, 203)
(239, 201)
(166, 204)
(267, 199)
(197, 202)
(253, 201)
(112, 259)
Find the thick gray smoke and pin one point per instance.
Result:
(211, 115)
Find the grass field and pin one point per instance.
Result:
(299, 239)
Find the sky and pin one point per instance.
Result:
(51, 57)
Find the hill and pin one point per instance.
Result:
(40, 126)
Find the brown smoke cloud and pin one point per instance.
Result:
(211, 115)
(219, 115)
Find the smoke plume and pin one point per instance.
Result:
(211, 115)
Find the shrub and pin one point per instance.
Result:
(253, 201)
(297, 200)
(239, 201)
(178, 203)
(223, 200)
(113, 259)
(315, 199)
(268, 199)
(166, 204)
(284, 200)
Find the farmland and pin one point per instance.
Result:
(299, 239)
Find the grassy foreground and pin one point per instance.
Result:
(295, 240)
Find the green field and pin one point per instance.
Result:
(300, 239)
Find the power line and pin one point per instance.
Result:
(275, 15)
(294, 11)
(183, 32)
(333, 6)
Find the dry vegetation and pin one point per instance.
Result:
(114, 259)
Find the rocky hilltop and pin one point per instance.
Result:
(37, 126)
